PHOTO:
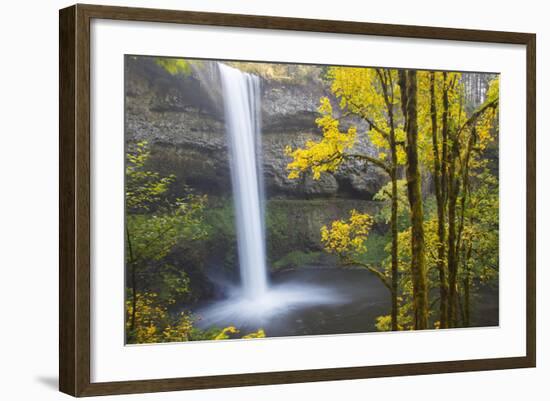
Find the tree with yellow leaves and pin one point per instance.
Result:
(346, 239)
(452, 150)
(419, 124)
(372, 94)
(409, 105)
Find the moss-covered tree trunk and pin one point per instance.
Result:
(452, 257)
(394, 255)
(468, 286)
(452, 188)
(437, 174)
(467, 248)
(414, 191)
(131, 263)
(445, 153)
(387, 84)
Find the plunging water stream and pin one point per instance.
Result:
(256, 301)
(241, 97)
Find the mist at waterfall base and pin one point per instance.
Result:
(256, 301)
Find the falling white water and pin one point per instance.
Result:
(256, 303)
(241, 98)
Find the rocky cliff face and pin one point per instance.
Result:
(182, 119)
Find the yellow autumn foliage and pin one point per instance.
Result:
(153, 323)
(325, 155)
(347, 237)
(225, 333)
(257, 334)
(230, 331)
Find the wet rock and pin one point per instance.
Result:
(182, 119)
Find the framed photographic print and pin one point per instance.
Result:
(251, 200)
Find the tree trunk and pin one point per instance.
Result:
(418, 260)
(394, 228)
(394, 249)
(437, 176)
(133, 280)
(466, 284)
(455, 236)
(465, 174)
(387, 86)
(452, 260)
(453, 190)
(134, 299)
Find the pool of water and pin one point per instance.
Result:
(305, 302)
(314, 301)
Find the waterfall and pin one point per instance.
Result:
(256, 302)
(241, 99)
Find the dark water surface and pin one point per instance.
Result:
(362, 298)
(313, 301)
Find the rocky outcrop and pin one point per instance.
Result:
(181, 116)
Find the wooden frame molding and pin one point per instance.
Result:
(74, 199)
